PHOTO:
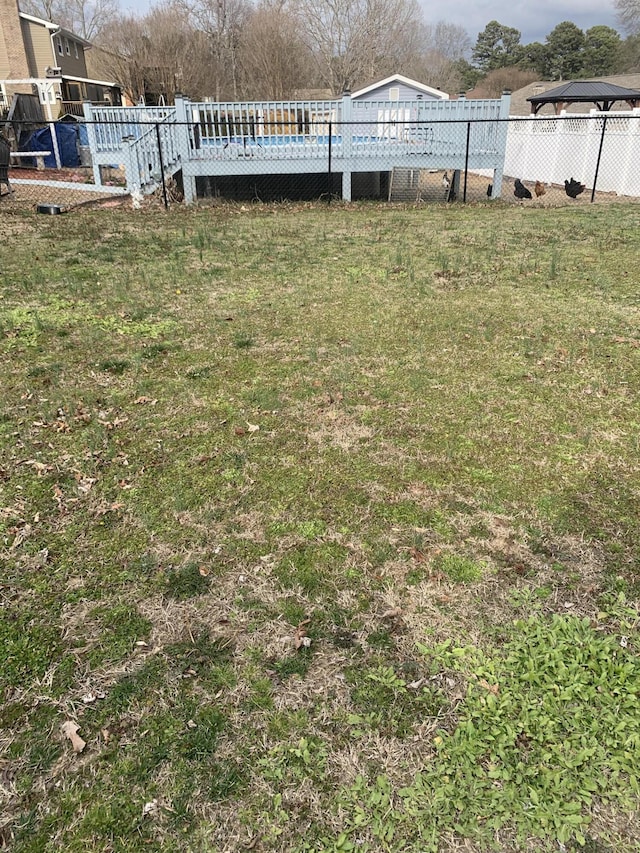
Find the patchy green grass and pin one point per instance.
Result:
(322, 525)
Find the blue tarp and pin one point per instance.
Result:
(67, 136)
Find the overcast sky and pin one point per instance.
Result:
(535, 20)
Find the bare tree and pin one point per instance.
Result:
(86, 19)
(505, 79)
(446, 46)
(628, 14)
(355, 41)
(158, 54)
(222, 21)
(273, 58)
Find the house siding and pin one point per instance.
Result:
(37, 46)
(67, 61)
(407, 93)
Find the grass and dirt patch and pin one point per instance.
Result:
(322, 526)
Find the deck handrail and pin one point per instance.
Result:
(229, 138)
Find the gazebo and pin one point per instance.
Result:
(603, 95)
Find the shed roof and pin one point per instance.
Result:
(597, 92)
(400, 78)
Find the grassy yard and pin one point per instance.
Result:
(322, 528)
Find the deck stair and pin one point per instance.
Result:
(144, 158)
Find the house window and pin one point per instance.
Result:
(75, 47)
(66, 47)
(60, 47)
(394, 93)
(3, 96)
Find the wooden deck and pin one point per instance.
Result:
(297, 137)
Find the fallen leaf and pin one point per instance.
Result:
(252, 427)
(418, 556)
(144, 399)
(39, 467)
(203, 571)
(103, 509)
(70, 730)
(150, 808)
(392, 613)
(85, 484)
(110, 425)
(21, 534)
(492, 688)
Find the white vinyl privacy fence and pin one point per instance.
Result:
(598, 147)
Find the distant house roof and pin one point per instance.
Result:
(405, 81)
(55, 28)
(597, 92)
(40, 21)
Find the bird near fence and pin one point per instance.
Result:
(573, 188)
(520, 191)
(539, 189)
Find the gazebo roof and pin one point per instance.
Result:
(603, 95)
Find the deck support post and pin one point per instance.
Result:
(346, 186)
(183, 144)
(91, 135)
(503, 128)
(131, 170)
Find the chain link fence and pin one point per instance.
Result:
(141, 161)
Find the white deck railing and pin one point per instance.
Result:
(226, 138)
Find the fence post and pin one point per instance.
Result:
(559, 135)
(595, 177)
(466, 162)
(347, 133)
(329, 164)
(184, 149)
(629, 183)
